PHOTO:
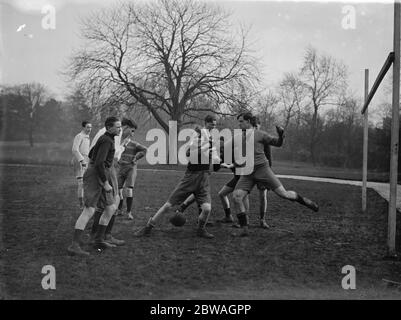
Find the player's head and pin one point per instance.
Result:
(245, 120)
(255, 122)
(87, 127)
(210, 122)
(113, 126)
(129, 127)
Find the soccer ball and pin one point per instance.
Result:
(178, 219)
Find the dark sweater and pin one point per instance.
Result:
(102, 155)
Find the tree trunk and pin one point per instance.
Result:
(30, 133)
(313, 136)
(172, 151)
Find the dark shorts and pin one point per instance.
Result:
(126, 176)
(233, 182)
(94, 193)
(196, 182)
(262, 187)
(262, 176)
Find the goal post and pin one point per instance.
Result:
(392, 210)
(365, 144)
(394, 60)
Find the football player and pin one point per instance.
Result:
(195, 181)
(126, 126)
(127, 172)
(261, 173)
(80, 160)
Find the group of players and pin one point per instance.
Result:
(104, 169)
(111, 150)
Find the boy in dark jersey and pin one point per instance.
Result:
(195, 181)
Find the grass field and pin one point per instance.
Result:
(39, 210)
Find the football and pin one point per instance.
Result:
(178, 219)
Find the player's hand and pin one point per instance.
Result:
(107, 187)
(134, 161)
(240, 165)
(280, 130)
(227, 166)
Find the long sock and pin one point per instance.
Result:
(129, 203)
(77, 235)
(307, 203)
(201, 224)
(227, 211)
(96, 218)
(120, 205)
(262, 214)
(183, 206)
(110, 225)
(150, 223)
(80, 188)
(300, 199)
(100, 234)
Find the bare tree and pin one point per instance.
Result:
(292, 96)
(324, 80)
(266, 107)
(163, 55)
(350, 117)
(34, 96)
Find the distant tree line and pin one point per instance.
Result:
(29, 112)
(174, 60)
(339, 131)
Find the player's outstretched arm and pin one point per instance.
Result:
(275, 141)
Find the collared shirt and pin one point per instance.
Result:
(117, 143)
(80, 146)
(102, 154)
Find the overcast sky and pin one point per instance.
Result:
(282, 30)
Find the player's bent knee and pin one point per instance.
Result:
(222, 194)
(167, 205)
(239, 195)
(130, 192)
(281, 192)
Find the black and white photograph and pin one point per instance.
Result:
(219, 151)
